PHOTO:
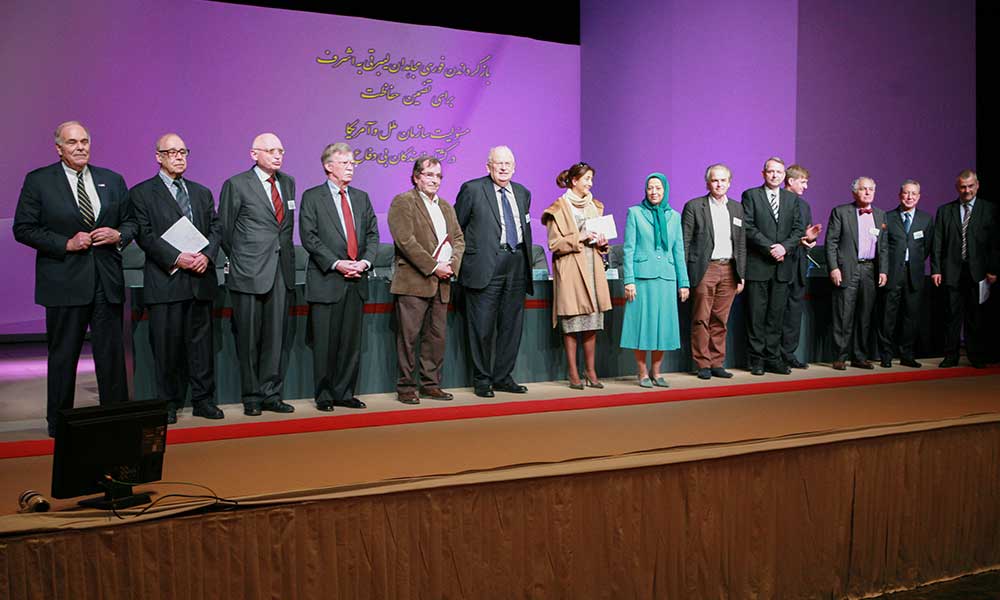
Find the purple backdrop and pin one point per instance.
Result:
(219, 74)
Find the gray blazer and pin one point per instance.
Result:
(699, 237)
(254, 242)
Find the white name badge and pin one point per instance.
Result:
(527, 218)
(291, 205)
(737, 221)
(874, 231)
(918, 235)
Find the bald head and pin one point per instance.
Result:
(171, 154)
(267, 152)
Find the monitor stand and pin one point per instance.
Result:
(116, 496)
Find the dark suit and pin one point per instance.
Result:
(961, 277)
(854, 300)
(792, 321)
(713, 295)
(495, 279)
(767, 279)
(900, 299)
(336, 304)
(180, 304)
(80, 288)
(260, 279)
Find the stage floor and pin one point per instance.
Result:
(551, 430)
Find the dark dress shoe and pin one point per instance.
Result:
(251, 410)
(948, 362)
(484, 392)
(795, 363)
(171, 415)
(977, 364)
(779, 369)
(756, 369)
(704, 373)
(352, 403)
(720, 372)
(839, 365)
(436, 394)
(862, 364)
(278, 407)
(407, 397)
(909, 362)
(324, 405)
(511, 387)
(886, 363)
(208, 411)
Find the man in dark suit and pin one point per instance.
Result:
(965, 255)
(77, 218)
(429, 247)
(910, 233)
(179, 287)
(493, 213)
(858, 256)
(340, 233)
(257, 212)
(716, 253)
(797, 182)
(773, 225)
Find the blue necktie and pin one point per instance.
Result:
(906, 222)
(508, 220)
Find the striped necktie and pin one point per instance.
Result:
(87, 209)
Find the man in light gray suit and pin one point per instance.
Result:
(257, 211)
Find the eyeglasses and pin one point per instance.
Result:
(431, 175)
(502, 165)
(174, 153)
(271, 151)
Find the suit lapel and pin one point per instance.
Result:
(163, 196)
(67, 192)
(852, 219)
(706, 211)
(332, 213)
(491, 198)
(257, 189)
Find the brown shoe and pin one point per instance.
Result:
(408, 397)
(839, 365)
(862, 364)
(436, 394)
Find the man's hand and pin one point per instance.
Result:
(991, 279)
(683, 294)
(80, 241)
(444, 271)
(105, 235)
(936, 279)
(739, 288)
(836, 278)
(351, 269)
(812, 232)
(778, 252)
(882, 279)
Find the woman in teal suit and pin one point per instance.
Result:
(655, 276)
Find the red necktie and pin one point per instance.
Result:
(352, 238)
(864, 211)
(279, 207)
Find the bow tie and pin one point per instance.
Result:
(864, 211)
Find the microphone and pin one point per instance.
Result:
(31, 501)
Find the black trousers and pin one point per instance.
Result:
(963, 309)
(496, 312)
(899, 311)
(335, 333)
(260, 326)
(65, 328)
(853, 304)
(791, 326)
(765, 311)
(181, 336)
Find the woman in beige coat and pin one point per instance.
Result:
(579, 288)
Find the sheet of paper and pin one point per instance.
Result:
(184, 236)
(984, 291)
(443, 252)
(604, 224)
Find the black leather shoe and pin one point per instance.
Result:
(704, 373)
(795, 363)
(324, 405)
(977, 364)
(278, 407)
(909, 362)
(251, 410)
(208, 411)
(351, 403)
(779, 369)
(948, 362)
(171, 415)
(407, 397)
(756, 369)
(720, 372)
(886, 363)
(862, 364)
(485, 392)
(511, 387)
(436, 394)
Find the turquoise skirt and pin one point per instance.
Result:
(650, 321)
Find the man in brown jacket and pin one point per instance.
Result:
(429, 246)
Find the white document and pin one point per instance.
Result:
(184, 236)
(605, 225)
(984, 291)
(444, 251)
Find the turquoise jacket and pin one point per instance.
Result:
(642, 260)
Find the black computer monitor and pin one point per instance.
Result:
(109, 449)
